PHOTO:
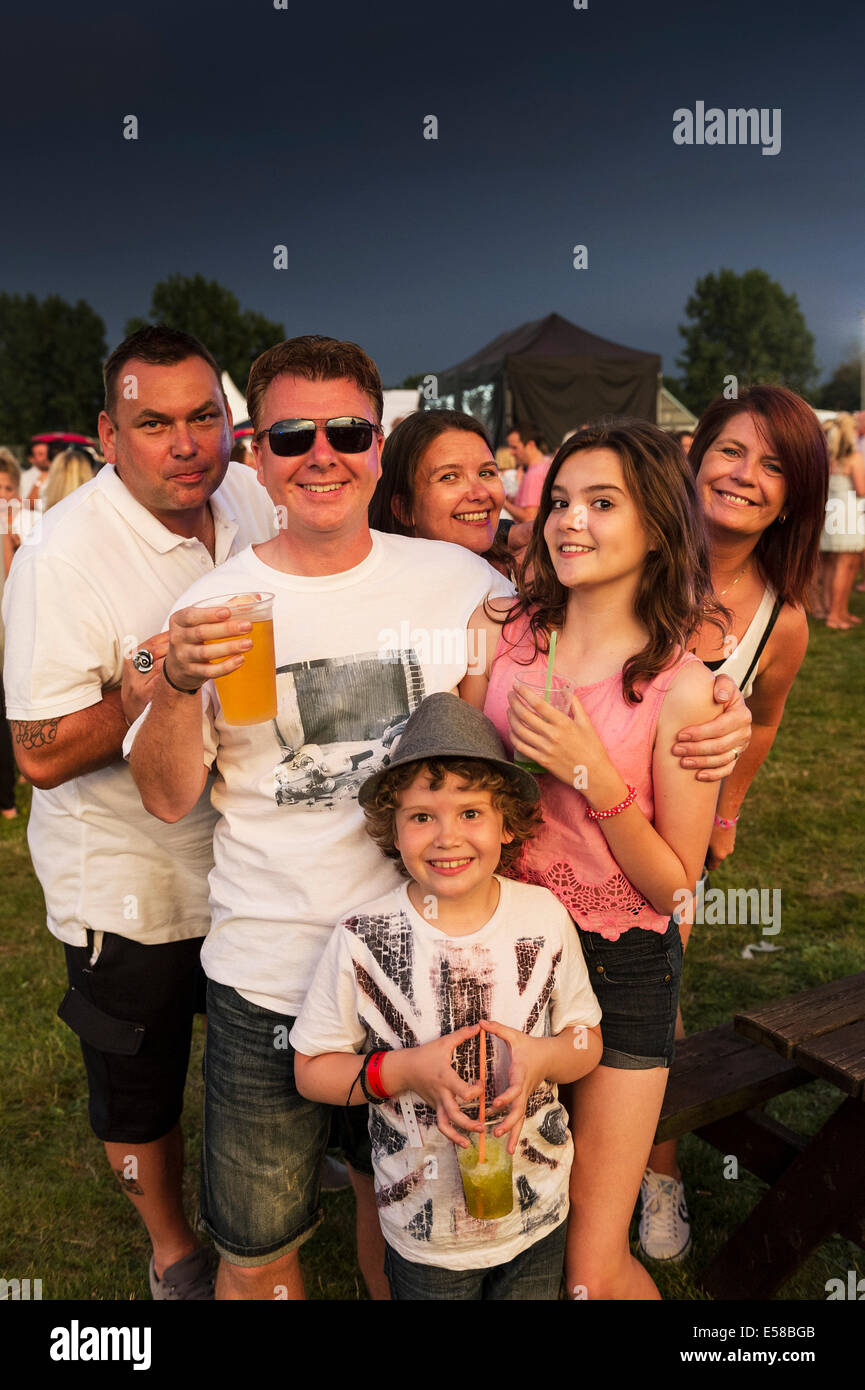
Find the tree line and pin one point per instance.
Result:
(51, 352)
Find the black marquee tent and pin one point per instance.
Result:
(551, 374)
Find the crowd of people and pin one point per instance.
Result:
(368, 892)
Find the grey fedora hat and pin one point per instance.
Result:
(444, 726)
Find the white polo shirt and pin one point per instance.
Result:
(99, 582)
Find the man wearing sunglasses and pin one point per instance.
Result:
(291, 851)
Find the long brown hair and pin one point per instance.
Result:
(787, 551)
(674, 595)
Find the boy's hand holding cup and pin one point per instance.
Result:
(525, 1074)
(428, 1071)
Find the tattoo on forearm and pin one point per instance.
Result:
(130, 1185)
(38, 734)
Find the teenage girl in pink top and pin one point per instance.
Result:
(619, 570)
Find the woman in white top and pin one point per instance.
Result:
(842, 541)
(762, 472)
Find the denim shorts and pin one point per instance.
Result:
(263, 1142)
(534, 1274)
(636, 980)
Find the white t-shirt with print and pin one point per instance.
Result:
(355, 654)
(98, 583)
(391, 979)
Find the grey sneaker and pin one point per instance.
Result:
(665, 1231)
(191, 1278)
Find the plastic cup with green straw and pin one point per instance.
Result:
(554, 637)
(528, 764)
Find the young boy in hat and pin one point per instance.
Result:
(409, 979)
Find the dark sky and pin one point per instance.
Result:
(304, 126)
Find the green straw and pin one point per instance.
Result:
(550, 659)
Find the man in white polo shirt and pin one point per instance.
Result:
(125, 893)
(365, 626)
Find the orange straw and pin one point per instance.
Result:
(483, 1114)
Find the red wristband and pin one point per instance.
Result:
(613, 810)
(373, 1075)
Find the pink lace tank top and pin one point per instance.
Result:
(569, 855)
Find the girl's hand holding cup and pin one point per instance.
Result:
(558, 741)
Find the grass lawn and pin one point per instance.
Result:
(63, 1219)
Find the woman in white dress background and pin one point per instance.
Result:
(843, 538)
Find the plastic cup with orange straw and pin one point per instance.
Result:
(486, 1168)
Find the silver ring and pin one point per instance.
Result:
(143, 660)
(735, 752)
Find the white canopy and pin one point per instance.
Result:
(396, 404)
(236, 400)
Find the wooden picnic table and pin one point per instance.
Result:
(821, 1189)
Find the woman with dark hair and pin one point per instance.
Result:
(439, 481)
(762, 474)
(617, 568)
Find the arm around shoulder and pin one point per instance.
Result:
(684, 806)
(484, 630)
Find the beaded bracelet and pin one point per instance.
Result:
(726, 824)
(614, 810)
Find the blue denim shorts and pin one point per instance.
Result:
(263, 1142)
(636, 980)
(534, 1274)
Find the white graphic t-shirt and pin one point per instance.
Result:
(391, 979)
(355, 654)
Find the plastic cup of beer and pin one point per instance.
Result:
(560, 696)
(488, 1186)
(248, 695)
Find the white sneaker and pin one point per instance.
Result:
(665, 1231)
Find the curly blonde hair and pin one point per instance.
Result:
(519, 817)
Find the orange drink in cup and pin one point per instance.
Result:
(488, 1185)
(486, 1168)
(248, 695)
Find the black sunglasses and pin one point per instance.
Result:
(347, 434)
